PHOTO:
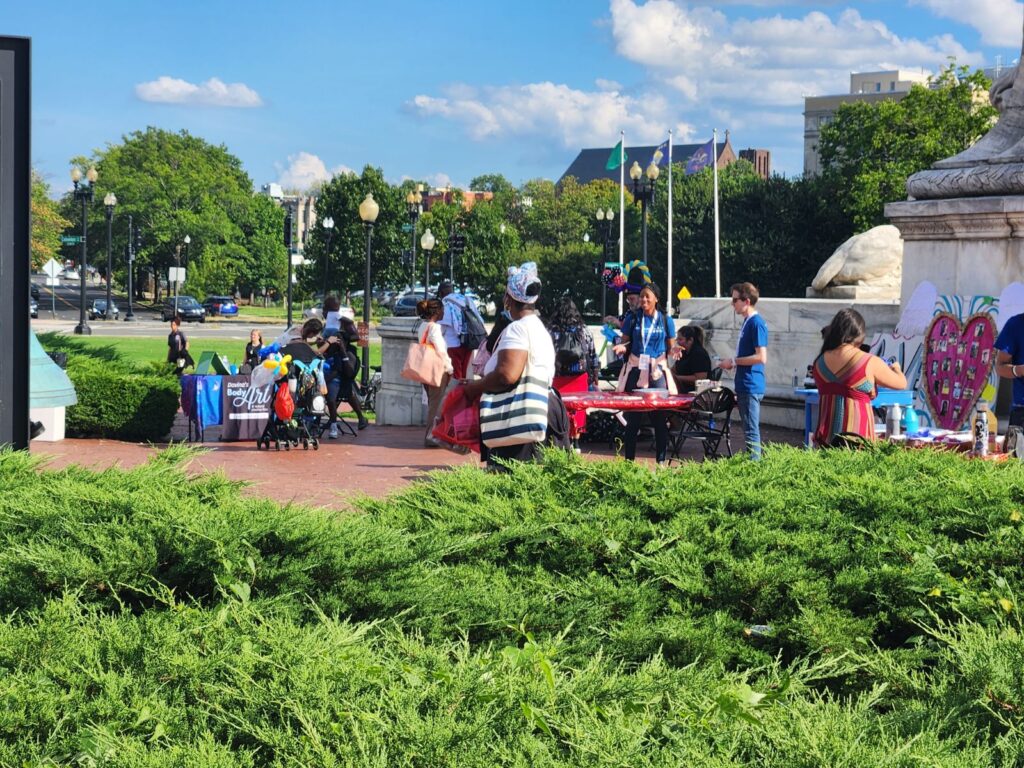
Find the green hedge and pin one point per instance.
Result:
(579, 613)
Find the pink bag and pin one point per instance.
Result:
(423, 363)
(459, 420)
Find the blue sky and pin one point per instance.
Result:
(445, 91)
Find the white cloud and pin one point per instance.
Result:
(306, 171)
(212, 93)
(569, 116)
(998, 21)
(769, 60)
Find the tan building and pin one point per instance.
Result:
(868, 87)
(303, 209)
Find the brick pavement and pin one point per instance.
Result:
(380, 460)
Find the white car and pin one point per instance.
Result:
(70, 274)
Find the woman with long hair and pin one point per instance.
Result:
(848, 378)
(576, 364)
(695, 362)
(430, 312)
(647, 336)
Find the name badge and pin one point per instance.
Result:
(645, 362)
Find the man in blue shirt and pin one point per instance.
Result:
(749, 362)
(1010, 364)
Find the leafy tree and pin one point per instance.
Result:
(869, 150)
(47, 223)
(176, 184)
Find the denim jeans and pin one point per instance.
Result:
(750, 414)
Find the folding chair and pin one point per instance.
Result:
(716, 374)
(707, 421)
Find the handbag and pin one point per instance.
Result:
(517, 416)
(423, 363)
(458, 424)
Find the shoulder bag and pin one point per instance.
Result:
(517, 416)
(423, 363)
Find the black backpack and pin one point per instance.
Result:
(569, 351)
(473, 330)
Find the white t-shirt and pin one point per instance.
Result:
(530, 334)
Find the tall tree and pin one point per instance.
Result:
(869, 150)
(47, 223)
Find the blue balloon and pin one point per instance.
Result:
(234, 370)
(269, 349)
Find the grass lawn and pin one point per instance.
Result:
(144, 349)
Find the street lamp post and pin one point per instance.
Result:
(130, 315)
(110, 200)
(329, 226)
(177, 269)
(288, 247)
(83, 192)
(368, 210)
(643, 191)
(414, 206)
(427, 244)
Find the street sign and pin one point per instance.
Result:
(176, 274)
(52, 282)
(611, 265)
(52, 268)
(407, 228)
(71, 239)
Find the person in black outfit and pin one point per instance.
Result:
(177, 348)
(341, 378)
(252, 349)
(695, 362)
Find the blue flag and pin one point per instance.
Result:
(701, 159)
(660, 156)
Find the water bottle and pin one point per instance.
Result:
(980, 447)
(892, 420)
(759, 630)
(796, 379)
(910, 422)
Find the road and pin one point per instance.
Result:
(58, 311)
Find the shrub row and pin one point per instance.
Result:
(579, 613)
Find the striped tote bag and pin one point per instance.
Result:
(517, 416)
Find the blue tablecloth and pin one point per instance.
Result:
(201, 399)
(883, 398)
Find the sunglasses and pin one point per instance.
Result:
(737, 298)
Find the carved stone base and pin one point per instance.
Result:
(856, 292)
(965, 246)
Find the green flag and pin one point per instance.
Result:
(616, 158)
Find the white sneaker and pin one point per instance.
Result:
(333, 432)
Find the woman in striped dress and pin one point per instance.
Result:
(847, 380)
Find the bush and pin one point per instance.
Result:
(576, 613)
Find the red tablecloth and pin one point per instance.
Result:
(621, 401)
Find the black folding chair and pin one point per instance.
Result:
(716, 374)
(708, 422)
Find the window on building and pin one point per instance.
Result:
(892, 85)
(878, 87)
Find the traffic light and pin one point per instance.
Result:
(458, 243)
(288, 230)
(138, 240)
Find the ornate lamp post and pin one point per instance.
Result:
(110, 200)
(288, 223)
(328, 223)
(414, 206)
(427, 243)
(83, 192)
(643, 191)
(368, 210)
(134, 244)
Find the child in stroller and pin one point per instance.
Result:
(299, 394)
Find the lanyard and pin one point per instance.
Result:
(646, 331)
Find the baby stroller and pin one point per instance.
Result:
(297, 409)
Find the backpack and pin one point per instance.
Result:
(569, 351)
(473, 330)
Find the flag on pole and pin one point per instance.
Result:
(660, 154)
(701, 159)
(616, 158)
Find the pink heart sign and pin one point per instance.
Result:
(957, 364)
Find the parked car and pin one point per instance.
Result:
(220, 305)
(188, 309)
(406, 306)
(98, 308)
(70, 274)
(33, 291)
(33, 307)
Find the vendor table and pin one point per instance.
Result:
(884, 397)
(622, 401)
(229, 400)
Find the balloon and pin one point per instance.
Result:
(268, 350)
(234, 370)
(610, 334)
(277, 363)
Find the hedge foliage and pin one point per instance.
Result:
(573, 614)
(117, 398)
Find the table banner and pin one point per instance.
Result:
(246, 408)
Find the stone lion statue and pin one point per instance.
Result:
(868, 265)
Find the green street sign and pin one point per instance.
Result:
(407, 227)
(71, 239)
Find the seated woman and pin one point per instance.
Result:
(341, 334)
(576, 363)
(847, 380)
(695, 363)
(252, 350)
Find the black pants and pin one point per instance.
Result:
(657, 418)
(1017, 416)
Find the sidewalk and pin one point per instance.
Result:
(379, 461)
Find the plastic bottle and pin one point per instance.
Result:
(910, 423)
(980, 447)
(892, 420)
(796, 379)
(759, 630)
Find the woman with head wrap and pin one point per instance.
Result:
(524, 345)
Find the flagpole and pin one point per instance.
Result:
(622, 207)
(669, 289)
(714, 163)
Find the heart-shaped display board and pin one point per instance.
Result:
(958, 361)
